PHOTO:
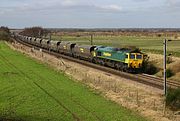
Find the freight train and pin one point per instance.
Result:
(123, 59)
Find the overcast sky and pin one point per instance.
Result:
(90, 13)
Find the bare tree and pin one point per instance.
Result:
(35, 32)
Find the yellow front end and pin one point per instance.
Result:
(134, 60)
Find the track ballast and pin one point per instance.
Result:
(141, 78)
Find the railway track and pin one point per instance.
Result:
(160, 81)
(141, 78)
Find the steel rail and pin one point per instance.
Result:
(141, 78)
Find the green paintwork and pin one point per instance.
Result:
(111, 53)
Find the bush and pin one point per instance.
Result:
(169, 60)
(173, 99)
(148, 67)
(169, 73)
(4, 33)
(151, 69)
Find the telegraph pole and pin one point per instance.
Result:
(50, 37)
(165, 60)
(91, 39)
(49, 41)
(39, 33)
(165, 47)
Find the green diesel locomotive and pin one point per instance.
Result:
(125, 59)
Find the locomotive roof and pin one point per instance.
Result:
(127, 50)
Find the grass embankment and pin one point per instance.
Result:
(146, 43)
(30, 90)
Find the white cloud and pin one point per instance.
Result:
(111, 7)
(90, 12)
(173, 2)
(56, 5)
(69, 3)
(1, 12)
(172, 6)
(140, 0)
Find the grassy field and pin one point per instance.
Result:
(31, 91)
(146, 43)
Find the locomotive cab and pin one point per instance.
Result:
(134, 60)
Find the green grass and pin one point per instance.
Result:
(147, 43)
(31, 91)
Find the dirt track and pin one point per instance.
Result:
(144, 99)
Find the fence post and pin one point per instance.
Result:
(137, 98)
